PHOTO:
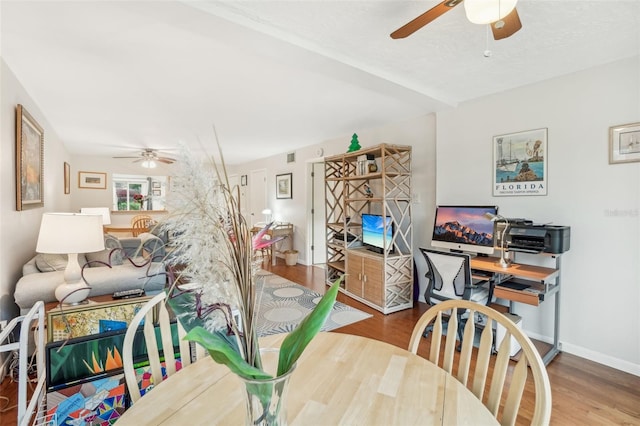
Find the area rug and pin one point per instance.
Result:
(283, 304)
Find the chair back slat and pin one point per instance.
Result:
(484, 359)
(516, 389)
(152, 351)
(450, 343)
(434, 354)
(167, 340)
(467, 348)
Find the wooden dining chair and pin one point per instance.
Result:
(153, 347)
(529, 357)
(139, 226)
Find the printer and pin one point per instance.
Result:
(531, 238)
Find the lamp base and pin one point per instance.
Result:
(72, 294)
(503, 263)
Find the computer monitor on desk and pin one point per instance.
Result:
(464, 228)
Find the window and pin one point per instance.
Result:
(134, 193)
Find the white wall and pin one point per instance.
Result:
(19, 229)
(418, 132)
(600, 275)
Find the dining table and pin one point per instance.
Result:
(339, 379)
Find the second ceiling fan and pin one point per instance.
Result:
(501, 14)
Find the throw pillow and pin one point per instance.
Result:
(46, 262)
(111, 244)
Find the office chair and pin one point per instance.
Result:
(497, 376)
(449, 277)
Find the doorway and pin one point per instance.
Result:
(257, 195)
(317, 214)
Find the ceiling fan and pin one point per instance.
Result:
(149, 157)
(501, 14)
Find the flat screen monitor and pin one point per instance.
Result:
(373, 232)
(464, 228)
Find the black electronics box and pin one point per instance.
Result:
(539, 238)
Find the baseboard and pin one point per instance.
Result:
(600, 358)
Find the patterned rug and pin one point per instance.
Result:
(284, 304)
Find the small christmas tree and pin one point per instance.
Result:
(355, 145)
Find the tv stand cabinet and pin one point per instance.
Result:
(383, 281)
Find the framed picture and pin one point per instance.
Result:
(67, 178)
(283, 186)
(94, 318)
(92, 180)
(624, 143)
(520, 163)
(29, 161)
(155, 184)
(157, 192)
(243, 180)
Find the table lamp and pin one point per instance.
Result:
(504, 261)
(267, 215)
(103, 211)
(70, 233)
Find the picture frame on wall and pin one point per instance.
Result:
(520, 163)
(92, 180)
(67, 178)
(29, 161)
(624, 143)
(243, 180)
(283, 186)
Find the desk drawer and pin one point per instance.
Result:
(521, 296)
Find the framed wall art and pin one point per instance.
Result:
(624, 143)
(29, 161)
(283, 186)
(67, 178)
(92, 180)
(520, 163)
(243, 180)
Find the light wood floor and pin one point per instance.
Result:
(584, 392)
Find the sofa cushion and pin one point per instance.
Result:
(48, 262)
(112, 254)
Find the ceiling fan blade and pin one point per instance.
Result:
(424, 19)
(511, 25)
(166, 160)
(127, 157)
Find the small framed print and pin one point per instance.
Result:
(283, 186)
(243, 180)
(67, 178)
(92, 180)
(157, 192)
(624, 143)
(155, 184)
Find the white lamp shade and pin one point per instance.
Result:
(488, 11)
(103, 211)
(66, 233)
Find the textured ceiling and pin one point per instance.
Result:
(115, 77)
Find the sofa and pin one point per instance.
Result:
(126, 263)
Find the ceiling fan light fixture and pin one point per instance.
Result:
(488, 11)
(149, 164)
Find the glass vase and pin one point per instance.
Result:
(266, 399)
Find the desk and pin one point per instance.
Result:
(543, 282)
(277, 230)
(340, 379)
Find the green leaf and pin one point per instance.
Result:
(223, 353)
(296, 342)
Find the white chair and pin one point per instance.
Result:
(529, 358)
(146, 313)
(33, 411)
